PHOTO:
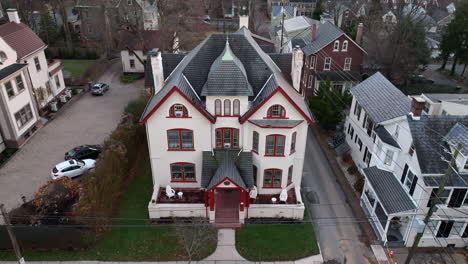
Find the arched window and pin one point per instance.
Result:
(345, 46)
(272, 178)
(336, 45)
(255, 139)
(276, 111)
(3, 56)
(236, 107)
(178, 110)
(218, 107)
(227, 107)
(183, 172)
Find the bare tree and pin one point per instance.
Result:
(195, 237)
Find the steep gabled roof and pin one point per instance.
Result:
(260, 69)
(430, 140)
(458, 135)
(380, 99)
(20, 38)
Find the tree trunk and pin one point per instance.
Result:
(66, 28)
(444, 62)
(454, 65)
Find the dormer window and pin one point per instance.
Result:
(336, 45)
(178, 111)
(276, 111)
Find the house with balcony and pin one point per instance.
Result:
(226, 132)
(403, 154)
(328, 53)
(27, 48)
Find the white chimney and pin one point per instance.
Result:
(157, 69)
(243, 22)
(296, 67)
(13, 15)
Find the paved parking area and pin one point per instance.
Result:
(87, 121)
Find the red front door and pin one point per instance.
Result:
(227, 205)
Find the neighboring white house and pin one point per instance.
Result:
(19, 118)
(402, 155)
(47, 78)
(134, 51)
(445, 104)
(224, 125)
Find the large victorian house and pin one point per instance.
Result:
(226, 132)
(403, 154)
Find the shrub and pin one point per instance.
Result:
(129, 78)
(74, 91)
(347, 158)
(136, 107)
(352, 169)
(359, 184)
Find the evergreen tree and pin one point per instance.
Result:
(48, 30)
(318, 11)
(328, 105)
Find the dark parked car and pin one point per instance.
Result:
(99, 88)
(419, 78)
(84, 152)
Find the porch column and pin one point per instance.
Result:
(242, 198)
(212, 200)
(205, 195)
(247, 199)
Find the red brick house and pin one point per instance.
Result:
(328, 54)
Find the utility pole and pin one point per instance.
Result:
(14, 242)
(282, 30)
(434, 203)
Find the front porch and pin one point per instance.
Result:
(389, 207)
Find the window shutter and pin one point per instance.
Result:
(403, 176)
(365, 154)
(457, 198)
(413, 185)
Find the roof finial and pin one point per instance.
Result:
(227, 51)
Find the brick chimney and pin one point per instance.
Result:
(359, 33)
(314, 31)
(13, 15)
(157, 69)
(417, 106)
(296, 67)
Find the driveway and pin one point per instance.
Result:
(335, 225)
(433, 73)
(88, 120)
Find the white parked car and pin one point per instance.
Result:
(72, 168)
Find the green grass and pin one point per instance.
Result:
(277, 242)
(134, 243)
(76, 67)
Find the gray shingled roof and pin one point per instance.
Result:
(267, 45)
(385, 136)
(429, 138)
(454, 180)
(227, 76)
(389, 190)
(380, 99)
(326, 33)
(285, 123)
(453, 98)
(7, 71)
(260, 69)
(459, 135)
(283, 61)
(169, 61)
(227, 163)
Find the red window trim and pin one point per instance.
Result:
(172, 112)
(231, 140)
(180, 140)
(272, 187)
(227, 115)
(274, 145)
(238, 107)
(270, 112)
(183, 163)
(294, 135)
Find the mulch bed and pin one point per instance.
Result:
(266, 198)
(191, 195)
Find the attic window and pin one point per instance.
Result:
(178, 111)
(276, 111)
(3, 57)
(336, 45)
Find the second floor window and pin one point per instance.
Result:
(293, 143)
(345, 46)
(290, 174)
(183, 172)
(178, 110)
(23, 116)
(327, 64)
(388, 158)
(309, 84)
(276, 111)
(9, 89)
(132, 64)
(312, 62)
(227, 138)
(347, 64)
(255, 139)
(37, 63)
(336, 45)
(19, 83)
(274, 145)
(272, 178)
(218, 107)
(180, 139)
(227, 107)
(236, 107)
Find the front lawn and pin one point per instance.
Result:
(76, 67)
(133, 238)
(277, 242)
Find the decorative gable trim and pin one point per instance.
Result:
(226, 179)
(280, 90)
(173, 90)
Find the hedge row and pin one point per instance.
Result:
(74, 53)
